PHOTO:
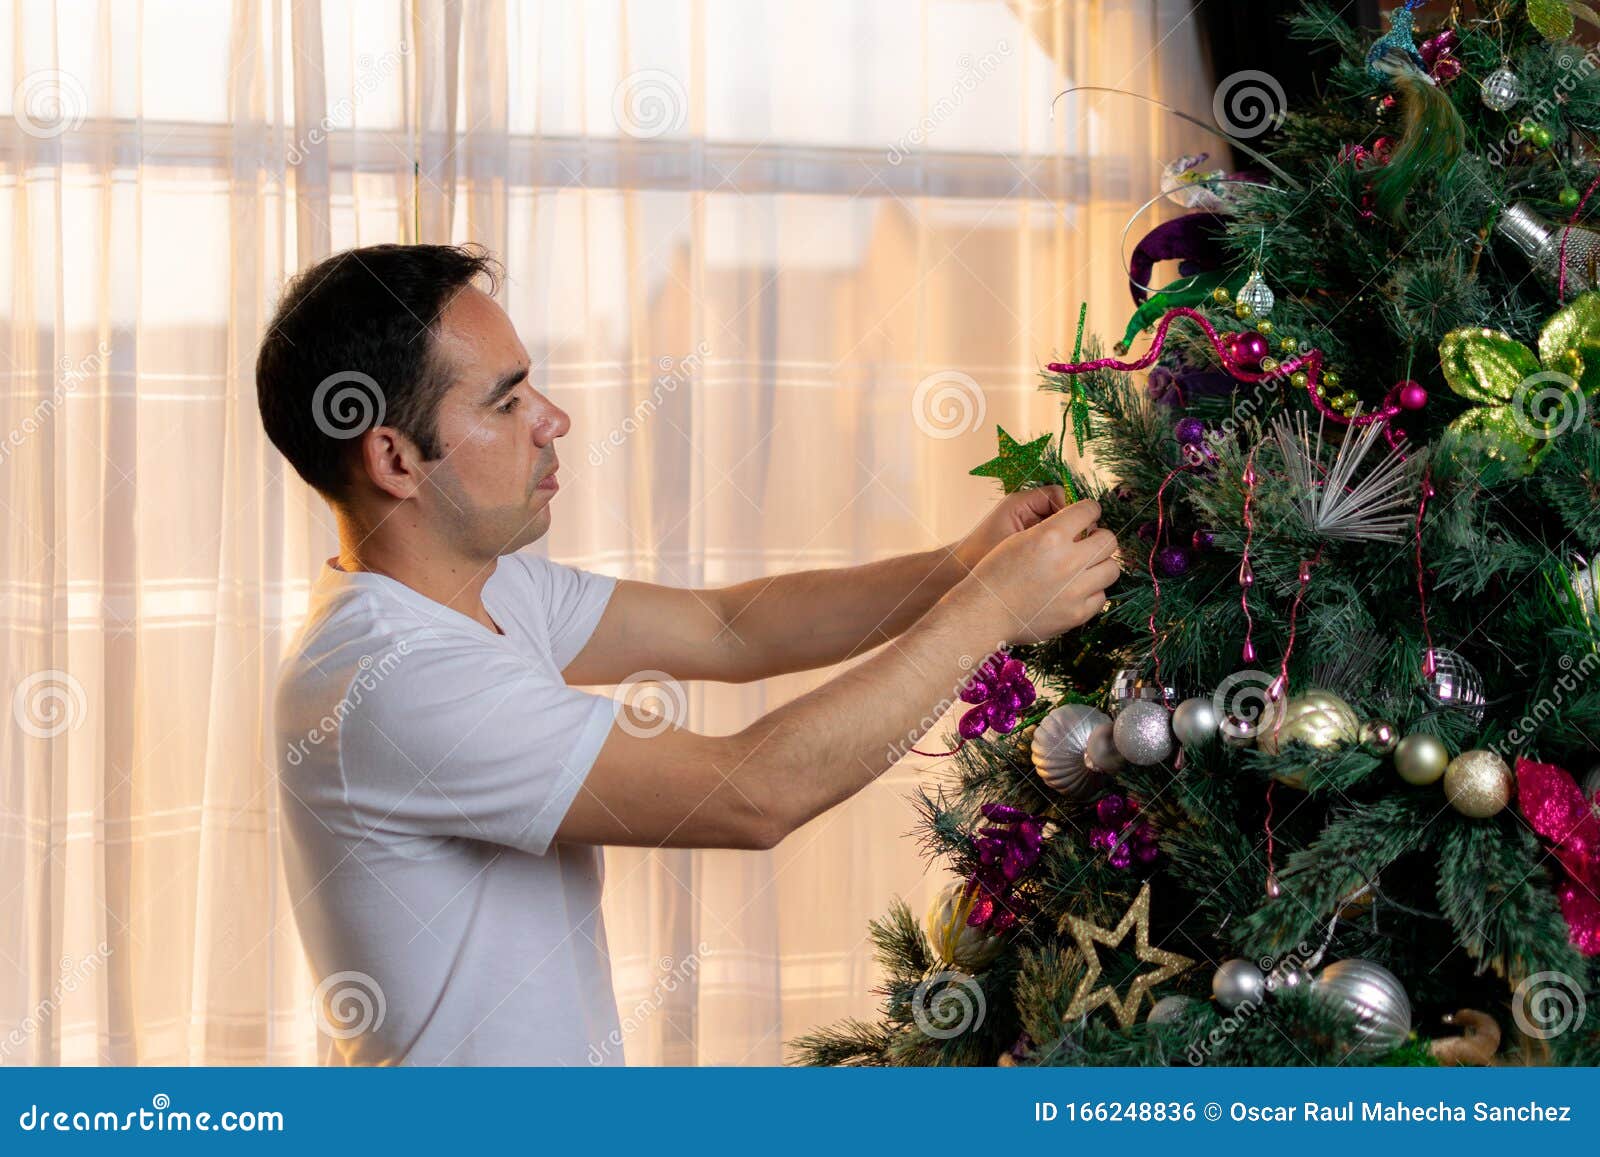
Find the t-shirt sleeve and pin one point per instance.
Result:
(460, 742)
(573, 601)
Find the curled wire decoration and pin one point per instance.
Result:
(1127, 229)
(1234, 141)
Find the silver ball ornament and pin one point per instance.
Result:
(1478, 784)
(1059, 743)
(1376, 998)
(1237, 982)
(1257, 294)
(1420, 758)
(1168, 1010)
(1195, 722)
(1501, 89)
(1143, 733)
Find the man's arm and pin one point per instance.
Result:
(749, 790)
(791, 622)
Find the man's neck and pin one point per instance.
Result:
(429, 568)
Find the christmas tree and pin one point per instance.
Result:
(1319, 787)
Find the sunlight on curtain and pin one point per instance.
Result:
(785, 264)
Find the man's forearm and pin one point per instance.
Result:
(826, 745)
(795, 622)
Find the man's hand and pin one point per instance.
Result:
(1046, 579)
(1013, 513)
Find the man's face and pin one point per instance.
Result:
(492, 487)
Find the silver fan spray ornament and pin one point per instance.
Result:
(1377, 508)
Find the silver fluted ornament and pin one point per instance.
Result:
(1376, 998)
(1059, 744)
(1540, 241)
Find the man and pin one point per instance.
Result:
(446, 789)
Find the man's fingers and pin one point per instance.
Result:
(1099, 576)
(1077, 518)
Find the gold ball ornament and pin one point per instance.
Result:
(1319, 719)
(1420, 758)
(1380, 735)
(1478, 783)
(1264, 326)
(1242, 310)
(1331, 379)
(1298, 379)
(1220, 295)
(1269, 365)
(1288, 344)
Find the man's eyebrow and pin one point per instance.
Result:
(506, 384)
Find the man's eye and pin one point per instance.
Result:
(509, 404)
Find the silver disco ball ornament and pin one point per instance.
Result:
(1256, 294)
(1455, 684)
(1143, 733)
(1374, 996)
(1128, 686)
(1059, 745)
(1501, 89)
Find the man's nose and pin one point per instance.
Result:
(551, 424)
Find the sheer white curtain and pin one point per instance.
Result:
(786, 264)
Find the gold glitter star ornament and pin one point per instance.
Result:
(1089, 997)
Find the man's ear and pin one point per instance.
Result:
(390, 462)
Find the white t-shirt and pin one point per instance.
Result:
(425, 763)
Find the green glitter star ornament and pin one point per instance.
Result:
(1018, 463)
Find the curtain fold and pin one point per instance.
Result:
(787, 265)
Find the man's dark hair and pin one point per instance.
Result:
(353, 345)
